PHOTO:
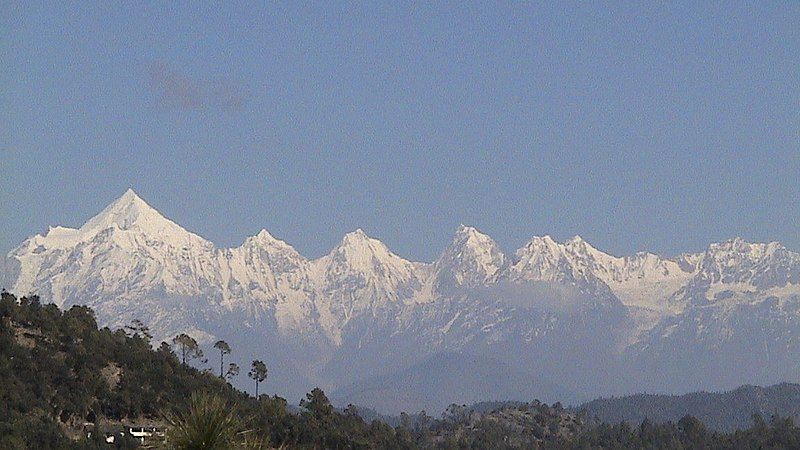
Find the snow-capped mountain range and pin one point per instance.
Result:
(556, 319)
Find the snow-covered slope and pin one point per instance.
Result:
(362, 311)
(126, 246)
(265, 273)
(360, 277)
(471, 260)
(642, 280)
(735, 269)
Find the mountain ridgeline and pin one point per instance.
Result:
(555, 320)
(721, 411)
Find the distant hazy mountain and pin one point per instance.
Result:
(724, 411)
(554, 318)
(448, 378)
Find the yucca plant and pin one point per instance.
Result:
(207, 424)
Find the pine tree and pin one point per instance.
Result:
(188, 347)
(224, 349)
(258, 373)
(233, 370)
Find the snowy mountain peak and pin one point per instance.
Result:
(358, 253)
(541, 258)
(466, 230)
(542, 241)
(759, 265)
(124, 212)
(643, 279)
(130, 212)
(265, 237)
(355, 237)
(742, 248)
(472, 237)
(579, 246)
(131, 195)
(359, 276)
(127, 214)
(264, 234)
(577, 239)
(357, 244)
(472, 259)
(266, 241)
(538, 247)
(126, 247)
(737, 252)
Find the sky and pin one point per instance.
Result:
(639, 126)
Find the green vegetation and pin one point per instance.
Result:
(69, 385)
(538, 426)
(207, 423)
(188, 347)
(723, 411)
(233, 371)
(224, 349)
(258, 373)
(64, 378)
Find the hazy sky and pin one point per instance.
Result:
(659, 127)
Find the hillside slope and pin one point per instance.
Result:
(63, 378)
(724, 411)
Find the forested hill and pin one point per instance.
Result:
(63, 378)
(725, 411)
(68, 385)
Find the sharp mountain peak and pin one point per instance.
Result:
(126, 212)
(131, 211)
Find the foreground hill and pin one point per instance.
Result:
(725, 411)
(63, 378)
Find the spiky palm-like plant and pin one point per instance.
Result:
(207, 424)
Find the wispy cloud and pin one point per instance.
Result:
(178, 90)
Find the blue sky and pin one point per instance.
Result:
(639, 126)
